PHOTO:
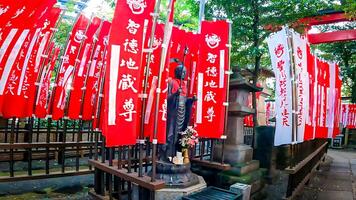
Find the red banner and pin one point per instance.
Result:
(95, 71)
(17, 75)
(81, 70)
(123, 82)
(64, 77)
(152, 86)
(42, 98)
(212, 79)
(40, 56)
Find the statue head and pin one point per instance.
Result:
(180, 72)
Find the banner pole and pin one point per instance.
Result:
(294, 94)
(167, 34)
(223, 137)
(145, 85)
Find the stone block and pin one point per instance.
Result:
(240, 169)
(177, 194)
(244, 189)
(234, 153)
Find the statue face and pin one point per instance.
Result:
(180, 72)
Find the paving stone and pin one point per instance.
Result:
(340, 169)
(353, 161)
(338, 175)
(340, 164)
(337, 185)
(335, 195)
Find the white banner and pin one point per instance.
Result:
(331, 100)
(279, 51)
(302, 81)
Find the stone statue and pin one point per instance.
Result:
(178, 113)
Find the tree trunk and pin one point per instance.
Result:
(256, 41)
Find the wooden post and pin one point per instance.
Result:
(167, 35)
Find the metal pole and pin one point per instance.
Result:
(167, 34)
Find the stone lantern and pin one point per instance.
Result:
(236, 153)
(235, 149)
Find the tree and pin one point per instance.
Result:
(250, 21)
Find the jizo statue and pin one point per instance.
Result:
(179, 108)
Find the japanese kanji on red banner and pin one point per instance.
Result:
(349, 115)
(212, 79)
(42, 98)
(81, 70)
(95, 72)
(123, 79)
(17, 75)
(67, 68)
(152, 86)
(40, 57)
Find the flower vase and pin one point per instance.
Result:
(185, 152)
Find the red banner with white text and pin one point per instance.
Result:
(17, 75)
(67, 68)
(123, 82)
(42, 98)
(81, 70)
(212, 79)
(95, 71)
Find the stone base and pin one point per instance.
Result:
(176, 176)
(234, 153)
(178, 193)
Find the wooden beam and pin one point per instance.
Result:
(45, 176)
(325, 19)
(336, 36)
(133, 177)
(212, 165)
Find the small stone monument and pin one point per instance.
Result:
(236, 153)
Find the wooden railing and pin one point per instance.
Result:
(36, 149)
(306, 158)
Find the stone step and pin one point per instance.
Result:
(227, 179)
(240, 169)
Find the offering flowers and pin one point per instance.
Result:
(189, 137)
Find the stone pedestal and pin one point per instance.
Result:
(178, 193)
(176, 176)
(235, 150)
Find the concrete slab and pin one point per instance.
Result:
(333, 195)
(340, 169)
(353, 161)
(340, 164)
(338, 175)
(176, 194)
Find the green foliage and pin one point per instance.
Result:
(250, 19)
(349, 6)
(186, 14)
